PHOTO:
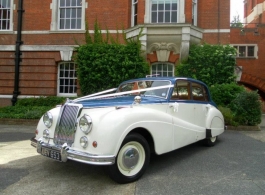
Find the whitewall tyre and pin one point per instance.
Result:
(132, 159)
(210, 141)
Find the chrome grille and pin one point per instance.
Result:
(65, 129)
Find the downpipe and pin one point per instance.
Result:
(18, 59)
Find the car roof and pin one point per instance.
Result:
(172, 79)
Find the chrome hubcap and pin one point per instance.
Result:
(130, 158)
(213, 139)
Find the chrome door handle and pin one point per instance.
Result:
(175, 105)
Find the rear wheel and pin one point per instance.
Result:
(210, 141)
(131, 161)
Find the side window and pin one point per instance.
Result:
(164, 11)
(162, 69)
(246, 51)
(194, 12)
(134, 12)
(67, 79)
(68, 15)
(199, 92)
(6, 15)
(181, 91)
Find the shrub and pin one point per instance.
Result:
(212, 64)
(103, 65)
(223, 94)
(23, 112)
(228, 116)
(41, 101)
(30, 108)
(247, 108)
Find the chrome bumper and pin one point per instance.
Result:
(67, 153)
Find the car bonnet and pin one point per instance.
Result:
(120, 101)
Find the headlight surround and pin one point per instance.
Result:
(85, 123)
(84, 141)
(47, 119)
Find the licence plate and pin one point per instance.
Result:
(54, 154)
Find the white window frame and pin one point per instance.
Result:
(158, 72)
(134, 7)
(194, 12)
(55, 20)
(11, 8)
(181, 11)
(178, 11)
(238, 55)
(66, 77)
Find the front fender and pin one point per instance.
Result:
(41, 127)
(110, 129)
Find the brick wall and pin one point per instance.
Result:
(251, 66)
(112, 13)
(188, 11)
(216, 38)
(214, 14)
(7, 69)
(38, 73)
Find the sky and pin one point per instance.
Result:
(236, 8)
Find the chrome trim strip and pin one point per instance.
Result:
(90, 158)
(74, 155)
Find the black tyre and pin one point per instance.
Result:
(210, 141)
(132, 160)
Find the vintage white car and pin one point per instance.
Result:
(121, 129)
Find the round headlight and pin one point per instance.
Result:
(85, 124)
(47, 119)
(84, 141)
(46, 134)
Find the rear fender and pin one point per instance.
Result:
(215, 122)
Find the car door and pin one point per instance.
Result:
(200, 98)
(181, 107)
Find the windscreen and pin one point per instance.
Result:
(131, 86)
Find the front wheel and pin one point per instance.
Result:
(131, 161)
(210, 141)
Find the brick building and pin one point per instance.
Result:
(37, 38)
(250, 43)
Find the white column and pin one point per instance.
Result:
(147, 12)
(185, 43)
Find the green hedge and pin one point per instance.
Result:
(212, 64)
(30, 108)
(105, 66)
(41, 101)
(247, 108)
(229, 117)
(23, 112)
(223, 94)
(103, 62)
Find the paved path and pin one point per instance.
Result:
(235, 166)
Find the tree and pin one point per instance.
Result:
(236, 22)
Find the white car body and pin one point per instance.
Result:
(164, 122)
